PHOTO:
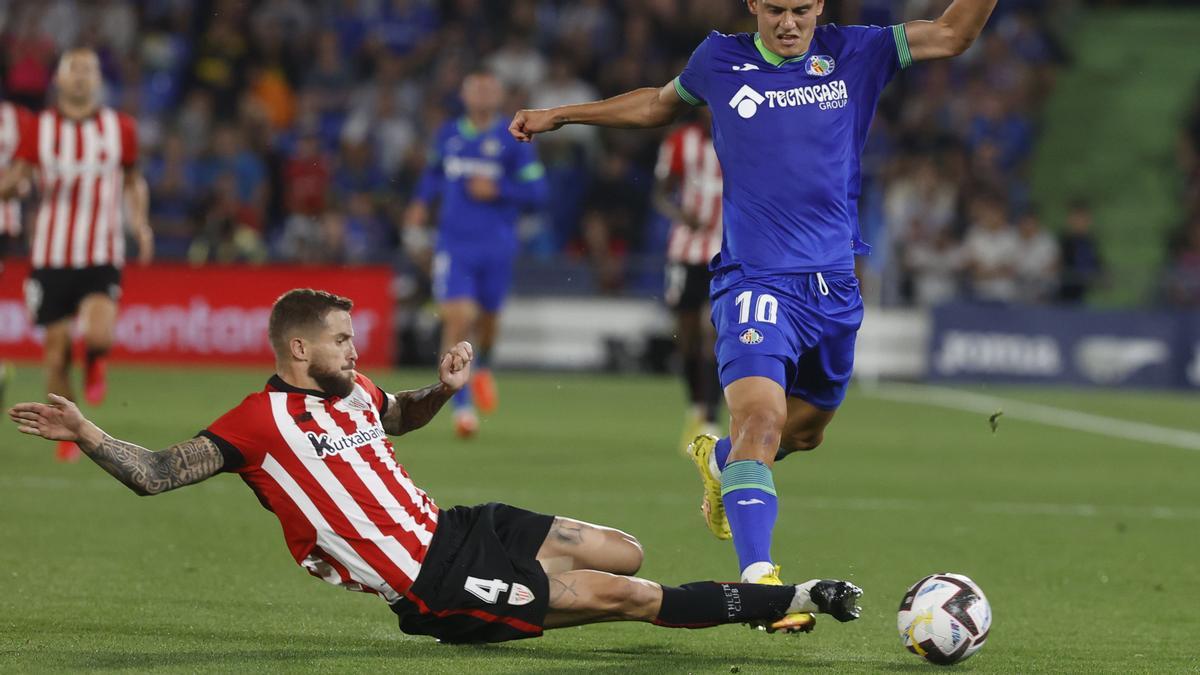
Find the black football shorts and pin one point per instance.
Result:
(480, 581)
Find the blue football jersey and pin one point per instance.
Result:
(789, 134)
(461, 152)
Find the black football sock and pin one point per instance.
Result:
(710, 603)
(711, 383)
(691, 372)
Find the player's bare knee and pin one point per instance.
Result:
(98, 342)
(759, 430)
(802, 441)
(631, 552)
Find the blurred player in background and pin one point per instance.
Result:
(791, 106)
(13, 118)
(482, 180)
(687, 190)
(86, 158)
(313, 447)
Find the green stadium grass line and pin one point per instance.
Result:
(966, 401)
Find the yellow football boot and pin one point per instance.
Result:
(701, 453)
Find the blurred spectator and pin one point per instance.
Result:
(992, 248)
(230, 157)
(935, 262)
(29, 54)
(1183, 278)
(919, 191)
(612, 210)
(517, 63)
(173, 181)
(1037, 260)
(225, 236)
(1082, 264)
(221, 53)
(306, 178)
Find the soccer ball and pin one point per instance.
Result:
(944, 618)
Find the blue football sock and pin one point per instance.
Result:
(462, 398)
(724, 447)
(748, 492)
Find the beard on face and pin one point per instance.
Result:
(335, 382)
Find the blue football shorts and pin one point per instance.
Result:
(480, 275)
(796, 329)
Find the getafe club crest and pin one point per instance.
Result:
(490, 147)
(751, 336)
(819, 66)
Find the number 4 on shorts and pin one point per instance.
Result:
(489, 590)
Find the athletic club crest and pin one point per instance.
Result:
(751, 336)
(819, 66)
(520, 595)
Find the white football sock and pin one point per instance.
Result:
(803, 600)
(756, 571)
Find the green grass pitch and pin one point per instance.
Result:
(1088, 547)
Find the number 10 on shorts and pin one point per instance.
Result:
(766, 308)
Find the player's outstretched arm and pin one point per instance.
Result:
(143, 471)
(413, 409)
(638, 109)
(951, 33)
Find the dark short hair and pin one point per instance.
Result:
(301, 308)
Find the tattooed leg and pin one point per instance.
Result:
(576, 545)
(586, 596)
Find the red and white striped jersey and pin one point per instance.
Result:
(81, 166)
(324, 466)
(13, 119)
(689, 155)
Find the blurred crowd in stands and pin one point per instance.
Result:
(1183, 249)
(294, 130)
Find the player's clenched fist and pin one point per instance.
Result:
(526, 123)
(455, 369)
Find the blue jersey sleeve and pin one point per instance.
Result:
(524, 182)
(692, 83)
(882, 49)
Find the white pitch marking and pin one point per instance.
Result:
(1065, 418)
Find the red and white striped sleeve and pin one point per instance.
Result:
(129, 140)
(379, 397)
(27, 147)
(238, 433)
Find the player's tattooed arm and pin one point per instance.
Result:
(144, 472)
(149, 473)
(411, 410)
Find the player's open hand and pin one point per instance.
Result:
(526, 123)
(59, 420)
(455, 369)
